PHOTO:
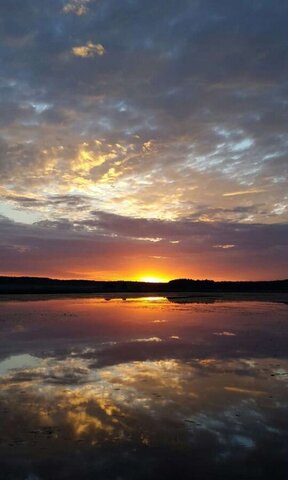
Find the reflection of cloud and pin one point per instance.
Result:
(170, 404)
(71, 371)
(245, 391)
(150, 339)
(224, 334)
(118, 399)
(89, 50)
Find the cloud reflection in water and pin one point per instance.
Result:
(76, 413)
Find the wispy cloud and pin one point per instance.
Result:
(244, 192)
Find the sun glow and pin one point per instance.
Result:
(151, 279)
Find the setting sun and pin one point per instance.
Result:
(152, 279)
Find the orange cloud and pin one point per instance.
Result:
(89, 50)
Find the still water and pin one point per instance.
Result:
(146, 388)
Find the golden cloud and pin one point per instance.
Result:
(89, 50)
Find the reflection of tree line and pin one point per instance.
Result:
(191, 299)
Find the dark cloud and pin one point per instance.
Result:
(111, 245)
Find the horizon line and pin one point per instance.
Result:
(136, 281)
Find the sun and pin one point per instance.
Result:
(151, 279)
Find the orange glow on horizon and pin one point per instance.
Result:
(152, 278)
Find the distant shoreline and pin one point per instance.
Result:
(176, 291)
(38, 285)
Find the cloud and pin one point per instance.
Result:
(89, 50)
(243, 192)
(78, 7)
(193, 127)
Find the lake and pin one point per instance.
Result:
(143, 388)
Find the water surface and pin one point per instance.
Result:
(143, 388)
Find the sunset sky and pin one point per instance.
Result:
(144, 139)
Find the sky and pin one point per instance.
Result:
(144, 139)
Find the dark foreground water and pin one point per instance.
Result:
(143, 389)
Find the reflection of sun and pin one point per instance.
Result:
(151, 299)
